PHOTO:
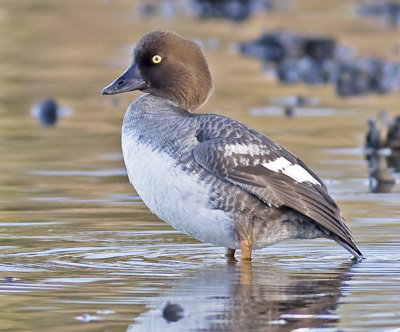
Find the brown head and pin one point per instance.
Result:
(168, 66)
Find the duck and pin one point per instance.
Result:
(207, 175)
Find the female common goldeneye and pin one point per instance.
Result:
(207, 175)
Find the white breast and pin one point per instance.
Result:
(177, 197)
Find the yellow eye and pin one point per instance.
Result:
(156, 59)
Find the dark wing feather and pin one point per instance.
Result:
(245, 169)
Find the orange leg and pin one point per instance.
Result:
(245, 247)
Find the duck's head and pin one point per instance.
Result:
(168, 66)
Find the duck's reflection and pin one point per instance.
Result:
(249, 297)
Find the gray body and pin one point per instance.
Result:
(159, 154)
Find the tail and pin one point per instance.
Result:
(349, 245)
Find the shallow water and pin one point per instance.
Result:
(80, 251)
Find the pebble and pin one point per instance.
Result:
(173, 312)
(46, 112)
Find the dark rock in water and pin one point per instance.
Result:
(352, 80)
(46, 112)
(288, 71)
(288, 111)
(268, 48)
(377, 131)
(297, 58)
(167, 9)
(320, 60)
(393, 160)
(319, 48)
(363, 76)
(234, 10)
(173, 312)
(305, 69)
(373, 138)
(146, 9)
(383, 132)
(10, 279)
(276, 46)
(386, 76)
(387, 12)
(393, 136)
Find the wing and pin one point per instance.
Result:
(263, 168)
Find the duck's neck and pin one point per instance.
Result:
(152, 113)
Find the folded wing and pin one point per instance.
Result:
(263, 168)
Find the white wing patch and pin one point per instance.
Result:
(295, 171)
(250, 149)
